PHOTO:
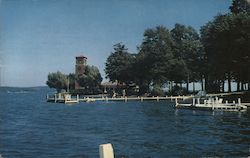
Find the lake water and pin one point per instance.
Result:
(32, 128)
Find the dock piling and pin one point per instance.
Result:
(106, 151)
(176, 102)
(216, 100)
(55, 98)
(77, 98)
(212, 104)
(239, 101)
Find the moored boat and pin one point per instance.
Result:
(212, 104)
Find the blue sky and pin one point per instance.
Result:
(42, 36)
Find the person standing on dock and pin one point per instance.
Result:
(123, 93)
(114, 94)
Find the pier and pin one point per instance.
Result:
(213, 104)
(62, 98)
(195, 102)
(68, 99)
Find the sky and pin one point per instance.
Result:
(42, 36)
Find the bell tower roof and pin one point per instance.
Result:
(81, 57)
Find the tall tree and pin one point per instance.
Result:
(188, 50)
(240, 33)
(226, 42)
(240, 6)
(216, 38)
(240, 10)
(57, 80)
(119, 64)
(91, 79)
(71, 81)
(154, 57)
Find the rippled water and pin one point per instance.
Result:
(30, 127)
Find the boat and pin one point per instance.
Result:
(62, 98)
(90, 100)
(212, 104)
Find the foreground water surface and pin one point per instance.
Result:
(30, 127)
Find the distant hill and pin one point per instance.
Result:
(25, 89)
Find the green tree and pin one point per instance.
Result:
(217, 43)
(178, 71)
(226, 42)
(154, 57)
(119, 64)
(57, 80)
(240, 6)
(240, 33)
(240, 10)
(71, 81)
(91, 79)
(187, 53)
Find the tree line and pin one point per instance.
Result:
(216, 55)
(90, 81)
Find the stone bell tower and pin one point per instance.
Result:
(81, 62)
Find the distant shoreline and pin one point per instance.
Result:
(23, 87)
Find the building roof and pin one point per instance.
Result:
(81, 56)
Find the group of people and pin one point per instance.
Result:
(115, 94)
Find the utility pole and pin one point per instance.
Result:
(68, 84)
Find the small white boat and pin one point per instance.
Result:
(212, 104)
(90, 100)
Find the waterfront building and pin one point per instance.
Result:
(80, 66)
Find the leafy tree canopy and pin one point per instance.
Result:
(226, 42)
(187, 47)
(91, 79)
(119, 64)
(57, 80)
(240, 6)
(154, 55)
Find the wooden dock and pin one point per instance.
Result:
(68, 99)
(246, 104)
(214, 104)
(62, 98)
